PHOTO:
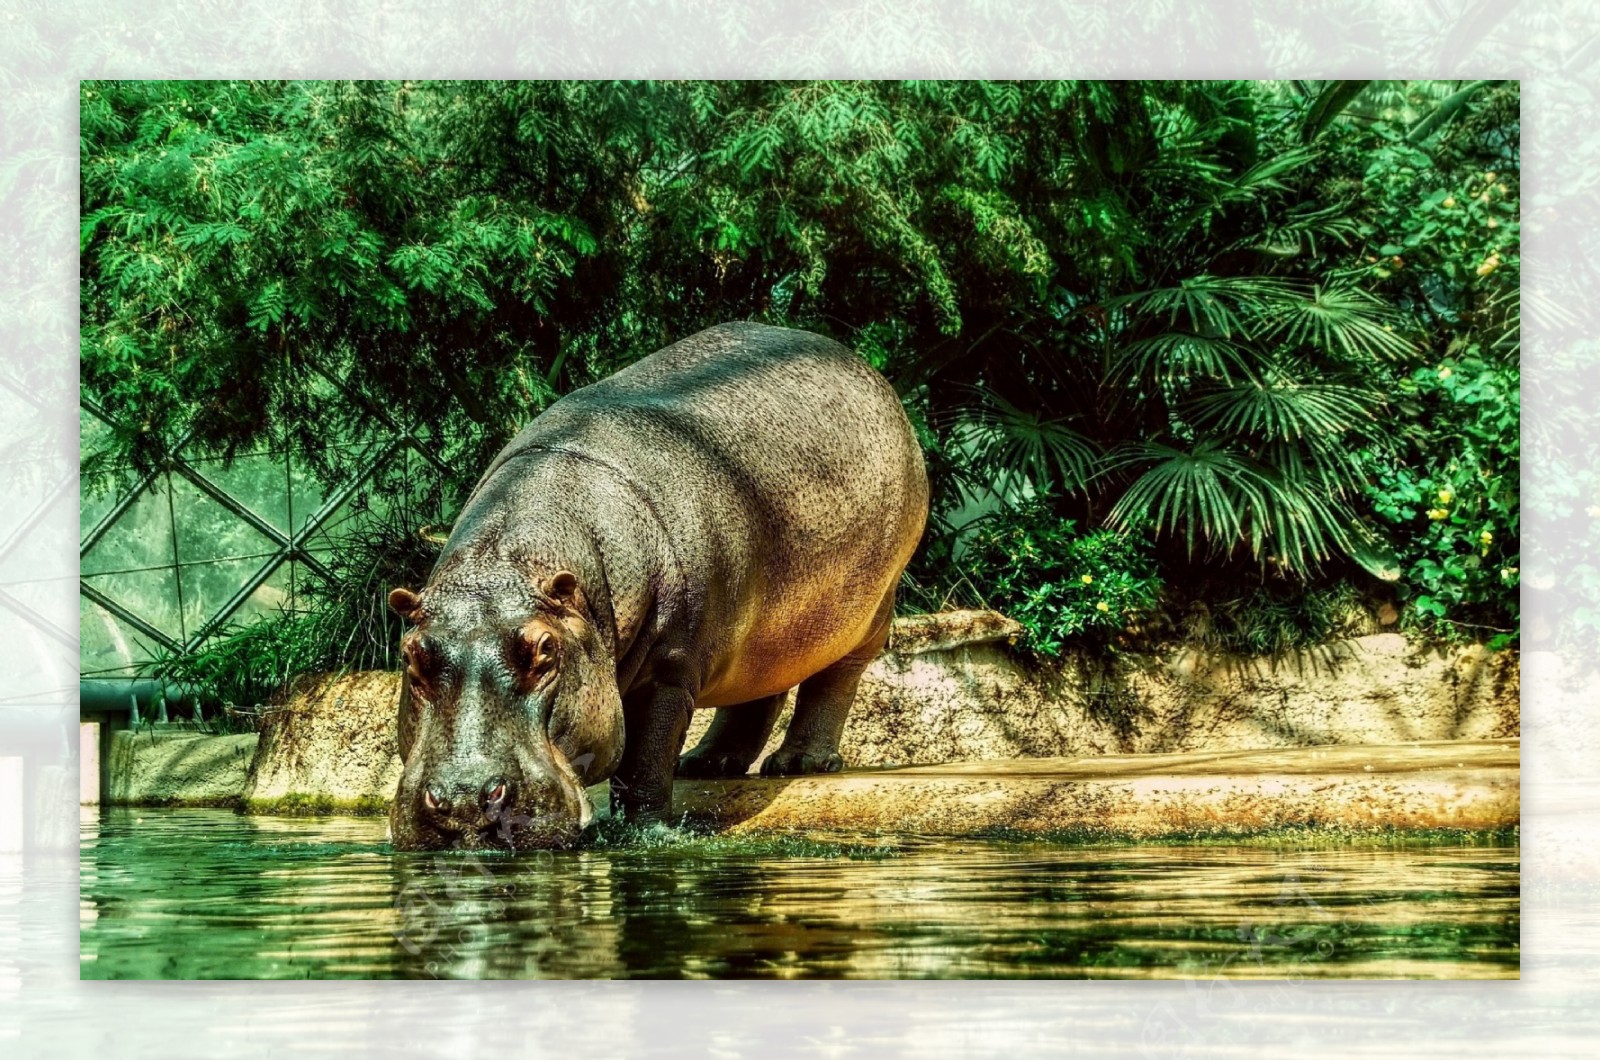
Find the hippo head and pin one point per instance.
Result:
(508, 708)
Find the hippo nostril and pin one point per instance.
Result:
(434, 801)
(495, 793)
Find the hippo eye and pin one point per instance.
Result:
(534, 652)
(421, 659)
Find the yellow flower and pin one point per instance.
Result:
(1102, 606)
(1485, 538)
(1492, 223)
(1508, 573)
(1446, 372)
(1449, 202)
(1491, 263)
(1445, 496)
(1087, 579)
(1438, 513)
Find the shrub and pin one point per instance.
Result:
(1061, 583)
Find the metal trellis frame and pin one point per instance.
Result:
(286, 547)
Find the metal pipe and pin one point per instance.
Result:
(131, 695)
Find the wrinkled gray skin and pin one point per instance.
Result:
(708, 528)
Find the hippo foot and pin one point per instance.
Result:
(653, 832)
(700, 765)
(650, 831)
(787, 763)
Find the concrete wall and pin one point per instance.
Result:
(167, 768)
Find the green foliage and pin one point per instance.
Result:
(350, 620)
(1061, 584)
(1208, 316)
(242, 242)
(244, 664)
(1444, 232)
(1454, 506)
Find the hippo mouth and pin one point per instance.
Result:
(509, 830)
(516, 830)
(549, 813)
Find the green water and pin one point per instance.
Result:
(209, 894)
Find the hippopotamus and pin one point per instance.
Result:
(718, 523)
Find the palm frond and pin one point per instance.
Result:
(1300, 526)
(1222, 306)
(1265, 174)
(1341, 320)
(1174, 356)
(1300, 231)
(1205, 493)
(1324, 465)
(1283, 409)
(1290, 512)
(1249, 186)
(1015, 447)
(1296, 527)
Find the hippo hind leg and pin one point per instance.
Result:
(821, 707)
(734, 740)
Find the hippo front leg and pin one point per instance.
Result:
(656, 720)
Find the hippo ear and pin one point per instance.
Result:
(404, 602)
(562, 586)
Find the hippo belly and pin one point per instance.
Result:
(800, 636)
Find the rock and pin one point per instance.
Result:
(981, 699)
(916, 634)
(330, 747)
(1467, 785)
(952, 689)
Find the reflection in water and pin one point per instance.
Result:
(209, 894)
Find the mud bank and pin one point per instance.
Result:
(1459, 785)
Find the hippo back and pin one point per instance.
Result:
(786, 481)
